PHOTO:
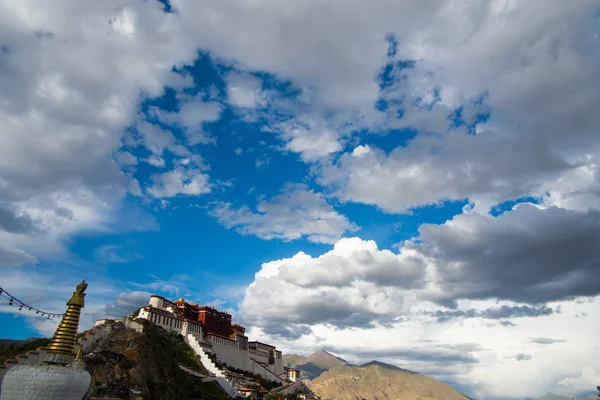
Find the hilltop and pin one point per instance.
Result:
(377, 380)
(332, 377)
(127, 363)
(315, 364)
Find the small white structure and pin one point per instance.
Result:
(293, 374)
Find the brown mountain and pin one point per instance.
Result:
(315, 364)
(291, 360)
(379, 381)
(325, 360)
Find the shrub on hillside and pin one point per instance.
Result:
(13, 350)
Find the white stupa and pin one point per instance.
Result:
(59, 375)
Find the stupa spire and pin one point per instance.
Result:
(65, 338)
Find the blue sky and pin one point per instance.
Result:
(399, 181)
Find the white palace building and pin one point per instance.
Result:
(210, 333)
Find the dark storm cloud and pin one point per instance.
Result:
(437, 355)
(14, 222)
(124, 304)
(528, 255)
(290, 332)
(523, 357)
(544, 340)
(495, 313)
(334, 312)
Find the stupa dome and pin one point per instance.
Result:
(46, 382)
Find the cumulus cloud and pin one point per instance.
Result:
(485, 169)
(545, 340)
(180, 181)
(124, 304)
(355, 284)
(311, 139)
(192, 115)
(15, 221)
(294, 213)
(115, 253)
(431, 353)
(245, 91)
(529, 254)
(10, 257)
(588, 379)
(523, 357)
(495, 313)
(63, 113)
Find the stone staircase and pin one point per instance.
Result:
(270, 374)
(219, 374)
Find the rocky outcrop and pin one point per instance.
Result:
(126, 363)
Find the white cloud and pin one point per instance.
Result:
(294, 213)
(531, 134)
(115, 253)
(313, 140)
(10, 257)
(72, 81)
(588, 379)
(124, 304)
(126, 158)
(353, 301)
(486, 169)
(180, 181)
(245, 91)
(192, 114)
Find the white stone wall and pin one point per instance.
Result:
(45, 382)
(267, 373)
(159, 302)
(290, 389)
(170, 323)
(129, 324)
(278, 368)
(95, 334)
(228, 352)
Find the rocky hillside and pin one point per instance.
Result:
(378, 381)
(315, 364)
(291, 360)
(127, 364)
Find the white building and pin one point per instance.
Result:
(209, 327)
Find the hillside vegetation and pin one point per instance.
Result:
(10, 349)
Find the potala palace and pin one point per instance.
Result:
(211, 334)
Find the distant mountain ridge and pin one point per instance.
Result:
(386, 366)
(315, 364)
(377, 380)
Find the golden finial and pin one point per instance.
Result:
(79, 355)
(64, 339)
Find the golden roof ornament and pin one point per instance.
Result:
(64, 340)
(79, 355)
